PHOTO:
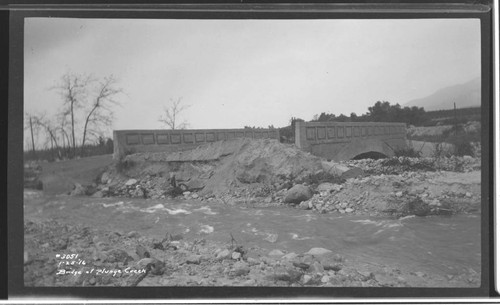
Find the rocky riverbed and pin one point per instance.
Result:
(69, 243)
(58, 254)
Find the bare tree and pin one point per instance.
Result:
(88, 99)
(64, 134)
(29, 124)
(50, 130)
(73, 89)
(100, 113)
(171, 114)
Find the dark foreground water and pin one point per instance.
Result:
(439, 245)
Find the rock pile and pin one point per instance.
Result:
(397, 165)
(409, 193)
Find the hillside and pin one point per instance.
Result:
(464, 95)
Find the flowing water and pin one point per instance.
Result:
(440, 245)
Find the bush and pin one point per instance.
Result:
(403, 164)
(463, 143)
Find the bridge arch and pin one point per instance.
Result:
(358, 147)
(370, 155)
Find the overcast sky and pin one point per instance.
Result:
(234, 73)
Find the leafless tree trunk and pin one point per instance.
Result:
(32, 137)
(172, 114)
(65, 136)
(100, 113)
(30, 124)
(73, 89)
(46, 124)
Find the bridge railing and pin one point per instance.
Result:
(345, 131)
(156, 140)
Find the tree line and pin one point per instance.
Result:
(81, 121)
(381, 111)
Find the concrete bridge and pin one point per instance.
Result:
(333, 141)
(163, 140)
(346, 140)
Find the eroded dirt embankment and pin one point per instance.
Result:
(265, 172)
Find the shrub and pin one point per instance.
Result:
(463, 143)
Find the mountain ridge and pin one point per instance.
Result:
(463, 95)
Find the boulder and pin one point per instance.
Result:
(117, 255)
(297, 194)
(236, 255)
(105, 178)
(276, 252)
(333, 168)
(290, 256)
(78, 190)
(195, 184)
(354, 172)
(223, 254)
(130, 182)
(194, 259)
(304, 205)
(316, 268)
(241, 269)
(318, 251)
(271, 237)
(327, 187)
(306, 279)
(98, 194)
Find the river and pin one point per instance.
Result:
(439, 245)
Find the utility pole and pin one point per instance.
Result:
(456, 119)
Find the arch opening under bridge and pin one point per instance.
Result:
(375, 155)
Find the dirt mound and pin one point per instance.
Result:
(214, 168)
